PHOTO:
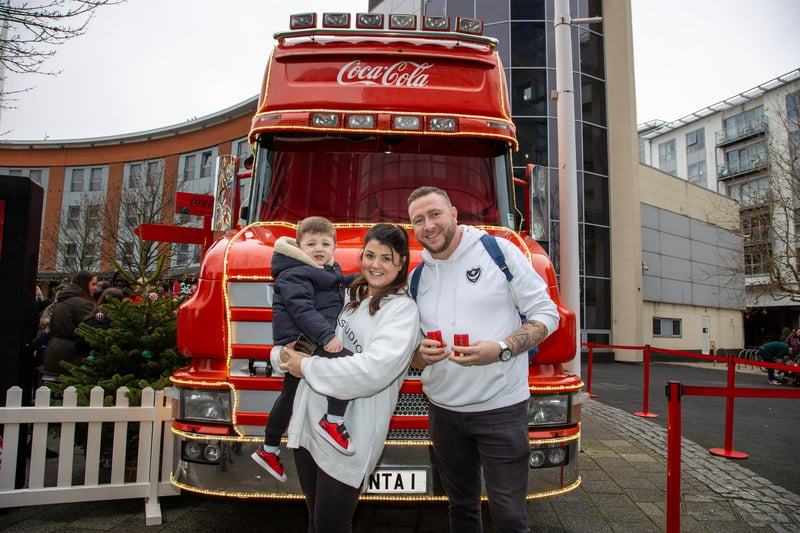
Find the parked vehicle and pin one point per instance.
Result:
(354, 114)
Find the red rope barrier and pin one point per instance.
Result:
(675, 391)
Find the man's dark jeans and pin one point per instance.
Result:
(496, 440)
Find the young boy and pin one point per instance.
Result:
(309, 295)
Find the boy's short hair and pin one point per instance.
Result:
(316, 225)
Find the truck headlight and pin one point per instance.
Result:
(550, 410)
(205, 405)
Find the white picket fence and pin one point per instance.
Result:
(44, 486)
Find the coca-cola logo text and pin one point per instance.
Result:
(206, 203)
(400, 74)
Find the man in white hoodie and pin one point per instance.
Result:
(478, 393)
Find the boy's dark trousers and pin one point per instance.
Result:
(281, 412)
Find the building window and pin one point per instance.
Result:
(696, 157)
(135, 175)
(666, 327)
(755, 259)
(242, 152)
(127, 252)
(36, 175)
(73, 217)
(91, 252)
(96, 179)
(793, 107)
(186, 254)
(92, 217)
(155, 173)
(206, 164)
(750, 193)
(745, 159)
(667, 160)
(130, 215)
(77, 180)
(188, 167)
(70, 253)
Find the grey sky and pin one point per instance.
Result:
(151, 63)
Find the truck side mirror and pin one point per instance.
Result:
(539, 222)
(225, 188)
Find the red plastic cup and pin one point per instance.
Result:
(460, 339)
(437, 336)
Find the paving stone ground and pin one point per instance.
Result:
(623, 489)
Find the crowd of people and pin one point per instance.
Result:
(73, 303)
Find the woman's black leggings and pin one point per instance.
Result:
(331, 503)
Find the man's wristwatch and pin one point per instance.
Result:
(505, 351)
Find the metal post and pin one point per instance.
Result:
(674, 393)
(569, 258)
(728, 451)
(646, 394)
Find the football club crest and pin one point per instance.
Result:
(474, 274)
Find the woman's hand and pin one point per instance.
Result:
(291, 360)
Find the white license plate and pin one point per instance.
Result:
(397, 481)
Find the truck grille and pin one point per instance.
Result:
(410, 405)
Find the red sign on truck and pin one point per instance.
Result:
(194, 204)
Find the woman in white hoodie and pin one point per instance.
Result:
(380, 326)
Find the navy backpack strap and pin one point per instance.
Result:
(413, 287)
(490, 243)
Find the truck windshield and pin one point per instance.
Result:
(369, 179)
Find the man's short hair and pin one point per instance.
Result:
(316, 225)
(426, 190)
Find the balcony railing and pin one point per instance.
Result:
(734, 133)
(742, 165)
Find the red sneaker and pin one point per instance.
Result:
(269, 462)
(336, 435)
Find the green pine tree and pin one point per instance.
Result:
(138, 349)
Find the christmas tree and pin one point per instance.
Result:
(137, 349)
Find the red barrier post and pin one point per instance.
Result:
(728, 451)
(589, 371)
(674, 392)
(646, 394)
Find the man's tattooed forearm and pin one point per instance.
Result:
(529, 335)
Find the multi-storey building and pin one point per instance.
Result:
(742, 148)
(95, 190)
(625, 300)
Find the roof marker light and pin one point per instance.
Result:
(369, 20)
(473, 26)
(406, 122)
(336, 20)
(402, 22)
(325, 120)
(301, 21)
(435, 23)
(442, 124)
(361, 121)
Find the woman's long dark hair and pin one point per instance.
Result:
(395, 238)
(82, 279)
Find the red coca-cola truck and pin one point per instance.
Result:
(354, 113)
